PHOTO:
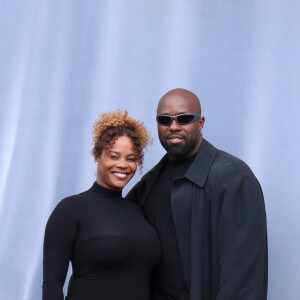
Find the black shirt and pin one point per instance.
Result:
(168, 279)
(112, 248)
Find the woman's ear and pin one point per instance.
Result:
(96, 159)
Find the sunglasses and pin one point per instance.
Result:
(181, 119)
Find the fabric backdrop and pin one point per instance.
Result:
(64, 62)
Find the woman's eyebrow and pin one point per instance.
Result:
(112, 151)
(116, 152)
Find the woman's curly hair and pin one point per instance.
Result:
(112, 125)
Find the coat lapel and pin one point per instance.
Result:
(189, 211)
(199, 169)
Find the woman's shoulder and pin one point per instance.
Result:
(66, 215)
(72, 203)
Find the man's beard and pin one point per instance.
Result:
(179, 150)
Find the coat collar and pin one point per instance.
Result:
(197, 172)
(199, 169)
(157, 168)
(150, 178)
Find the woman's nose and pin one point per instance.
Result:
(122, 163)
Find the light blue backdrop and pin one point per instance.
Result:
(64, 62)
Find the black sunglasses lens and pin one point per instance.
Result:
(163, 120)
(185, 119)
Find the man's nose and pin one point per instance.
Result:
(174, 126)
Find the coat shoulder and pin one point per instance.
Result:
(133, 194)
(226, 164)
(227, 161)
(140, 191)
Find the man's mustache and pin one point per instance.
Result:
(172, 135)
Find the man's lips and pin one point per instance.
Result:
(175, 139)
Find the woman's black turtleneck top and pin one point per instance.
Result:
(112, 248)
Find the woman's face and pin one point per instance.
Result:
(117, 165)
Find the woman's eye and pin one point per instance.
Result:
(131, 159)
(113, 157)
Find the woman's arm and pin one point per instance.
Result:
(59, 240)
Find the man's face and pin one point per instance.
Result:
(179, 141)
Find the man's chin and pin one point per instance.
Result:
(176, 151)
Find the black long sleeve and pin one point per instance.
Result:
(59, 241)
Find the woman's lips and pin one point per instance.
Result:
(120, 175)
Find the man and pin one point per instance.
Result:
(208, 210)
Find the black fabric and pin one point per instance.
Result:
(228, 234)
(169, 281)
(112, 248)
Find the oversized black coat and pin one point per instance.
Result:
(219, 216)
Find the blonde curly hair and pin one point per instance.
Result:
(112, 125)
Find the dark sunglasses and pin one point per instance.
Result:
(181, 119)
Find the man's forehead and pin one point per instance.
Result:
(175, 104)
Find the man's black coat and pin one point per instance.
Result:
(219, 216)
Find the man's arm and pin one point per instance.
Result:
(242, 240)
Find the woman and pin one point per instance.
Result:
(112, 248)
